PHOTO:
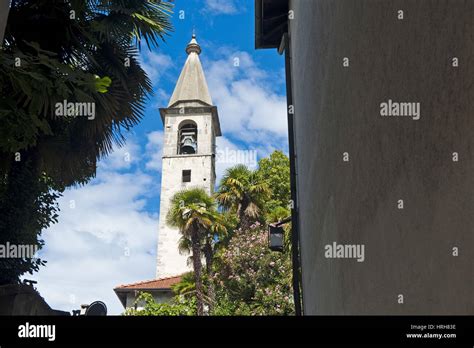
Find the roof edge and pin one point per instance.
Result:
(271, 22)
(125, 286)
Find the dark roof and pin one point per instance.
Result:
(271, 22)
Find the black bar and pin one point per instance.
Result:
(243, 331)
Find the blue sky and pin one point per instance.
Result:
(107, 230)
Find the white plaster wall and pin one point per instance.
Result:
(409, 251)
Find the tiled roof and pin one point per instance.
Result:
(163, 283)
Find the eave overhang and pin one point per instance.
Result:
(271, 22)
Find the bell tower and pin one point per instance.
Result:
(191, 125)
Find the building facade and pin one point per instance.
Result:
(400, 186)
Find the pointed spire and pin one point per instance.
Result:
(193, 46)
(191, 85)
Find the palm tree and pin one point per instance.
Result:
(82, 51)
(92, 57)
(194, 213)
(217, 232)
(242, 191)
(186, 285)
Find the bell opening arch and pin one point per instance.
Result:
(187, 138)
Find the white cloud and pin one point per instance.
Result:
(161, 98)
(87, 250)
(155, 64)
(154, 149)
(123, 157)
(249, 108)
(158, 67)
(221, 7)
(229, 154)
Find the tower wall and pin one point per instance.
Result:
(169, 261)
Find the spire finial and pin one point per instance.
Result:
(193, 46)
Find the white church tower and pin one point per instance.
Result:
(191, 125)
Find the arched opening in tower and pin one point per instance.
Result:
(187, 144)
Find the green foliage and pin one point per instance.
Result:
(146, 306)
(82, 51)
(243, 192)
(248, 278)
(191, 211)
(194, 213)
(278, 214)
(186, 286)
(27, 205)
(253, 280)
(102, 84)
(93, 58)
(275, 170)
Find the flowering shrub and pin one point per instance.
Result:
(251, 279)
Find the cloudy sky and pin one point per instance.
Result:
(107, 230)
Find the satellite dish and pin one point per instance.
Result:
(97, 308)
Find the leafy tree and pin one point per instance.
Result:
(275, 170)
(186, 285)
(248, 278)
(194, 213)
(217, 231)
(243, 192)
(179, 306)
(252, 279)
(92, 58)
(96, 46)
(27, 206)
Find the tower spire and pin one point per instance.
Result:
(193, 46)
(191, 85)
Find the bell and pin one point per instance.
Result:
(188, 145)
(188, 141)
